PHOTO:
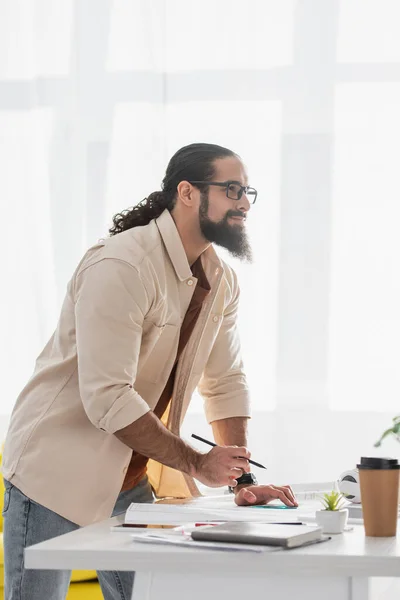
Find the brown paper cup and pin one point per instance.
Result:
(379, 498)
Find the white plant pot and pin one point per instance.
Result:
(332, 521)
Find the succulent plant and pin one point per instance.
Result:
(332, 501)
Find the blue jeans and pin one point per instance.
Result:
(26, 523)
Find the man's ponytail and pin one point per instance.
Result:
(141, 214)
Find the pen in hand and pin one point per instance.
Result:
(252, 462)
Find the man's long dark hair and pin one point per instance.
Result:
(190, 163)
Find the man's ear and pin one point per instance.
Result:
(185, 193)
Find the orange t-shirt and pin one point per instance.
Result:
(138, 465)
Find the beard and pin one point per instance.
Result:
(232, 237)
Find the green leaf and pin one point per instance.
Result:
(384, 435)
(396, 428)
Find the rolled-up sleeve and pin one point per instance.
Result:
(223, 384)
(110, 305)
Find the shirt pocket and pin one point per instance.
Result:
(159, 362)
(7, 496)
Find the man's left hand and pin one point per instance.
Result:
(263, 494)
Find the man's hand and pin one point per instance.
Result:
(222, 465)
(263, 494)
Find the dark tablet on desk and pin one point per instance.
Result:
(265, 534)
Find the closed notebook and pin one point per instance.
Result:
(265, 534)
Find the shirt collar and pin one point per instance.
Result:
(211, 263)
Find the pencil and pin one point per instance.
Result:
(252, 462)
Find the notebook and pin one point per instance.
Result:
(355, 511)
(287, 536)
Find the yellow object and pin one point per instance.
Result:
(84, 584)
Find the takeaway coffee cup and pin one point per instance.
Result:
(379, 484)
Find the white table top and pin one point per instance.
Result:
(97, 547)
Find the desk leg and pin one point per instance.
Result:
(360, 589)
(142, 586)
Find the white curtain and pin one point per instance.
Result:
(96, 95)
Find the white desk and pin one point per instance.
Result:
(341, 569)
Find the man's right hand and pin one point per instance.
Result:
(222, 466)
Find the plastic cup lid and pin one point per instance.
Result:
(374, 462)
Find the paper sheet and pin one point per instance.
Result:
(188, 542)
(165, 514)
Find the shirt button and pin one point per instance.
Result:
(215, 319)
(216, 271)
(190, 281)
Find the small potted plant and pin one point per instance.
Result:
(333, 517)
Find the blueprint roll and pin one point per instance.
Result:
(349, 486)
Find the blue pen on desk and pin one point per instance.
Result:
(273, 507)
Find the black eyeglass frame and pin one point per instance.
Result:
(243, 189)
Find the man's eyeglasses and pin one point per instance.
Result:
(234, 190)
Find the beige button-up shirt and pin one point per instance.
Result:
(109, 360)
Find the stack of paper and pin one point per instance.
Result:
(166, 514)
